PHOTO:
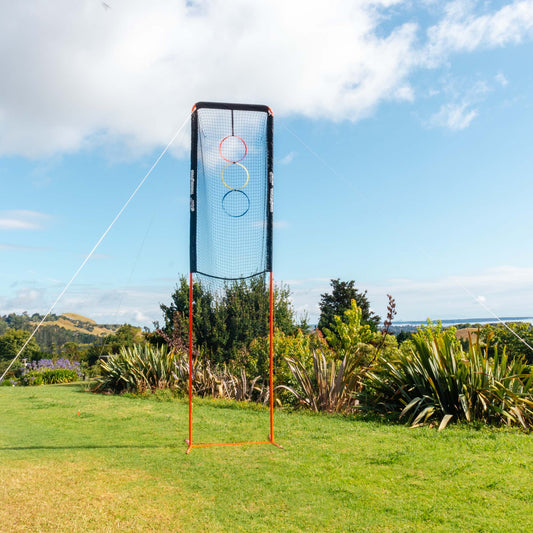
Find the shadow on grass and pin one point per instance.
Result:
(93, 447)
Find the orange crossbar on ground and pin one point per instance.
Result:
(271, 390)
(209, 445)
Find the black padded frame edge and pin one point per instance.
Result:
(194, 168)
(270, 185)
(235, 107)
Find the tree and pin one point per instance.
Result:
(229, 322)
(13, 340)
(502, 336)
(125, 335)
(208, 333)
(71, 351)
(17, 321)
(350, 335)
(339, 301)
(403, 335)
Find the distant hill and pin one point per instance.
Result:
(82, 324)
(79, 318)
(59, 329)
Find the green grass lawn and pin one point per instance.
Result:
(120, 465)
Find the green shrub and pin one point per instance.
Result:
(328, 385)
(432, 376)
(510, 335)
(48, 377)
(299, 346)
(48, 371)
(350, 337)
(32, 378)
(137, 369)
(328, 376)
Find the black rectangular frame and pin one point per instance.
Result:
(194, 169)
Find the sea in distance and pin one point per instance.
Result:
(413, 324)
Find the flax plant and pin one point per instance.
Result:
(328, 386)
(140, 369)
(433, 377)
(137, 369)
(335, 378)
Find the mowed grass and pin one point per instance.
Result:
(120, 465)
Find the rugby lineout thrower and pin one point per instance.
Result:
(231, 220)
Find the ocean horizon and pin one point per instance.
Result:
(455, 321)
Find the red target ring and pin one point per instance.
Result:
(232, 160)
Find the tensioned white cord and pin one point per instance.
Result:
(96, 246)
(489, 310)
(345, 180)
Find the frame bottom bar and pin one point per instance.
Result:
(209, 445)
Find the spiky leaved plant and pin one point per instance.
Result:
(137, 369)
(328, 386)
(433, 377)
(147, 368)
(334, 379)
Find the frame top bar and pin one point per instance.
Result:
(239, 107)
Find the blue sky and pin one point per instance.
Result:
(402, 148)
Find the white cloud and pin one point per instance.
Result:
(405, 92)
(305, 295)
(281, 224)
(25, 299)
(501, 79)
(506, 290)
(138, 305)
(458, 114)
(18, 247)
(462, 30)
(285, 160)
(454, 116)
(81, 75)
(22, 219)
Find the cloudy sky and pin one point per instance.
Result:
(402, 148)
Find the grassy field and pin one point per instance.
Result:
(120, 465)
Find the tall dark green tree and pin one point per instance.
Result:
(225, 324)
(13, 340)
(10, 344)
(208, 333)
(339, 300)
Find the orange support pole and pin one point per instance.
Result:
(271, 436)
(189, 441)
